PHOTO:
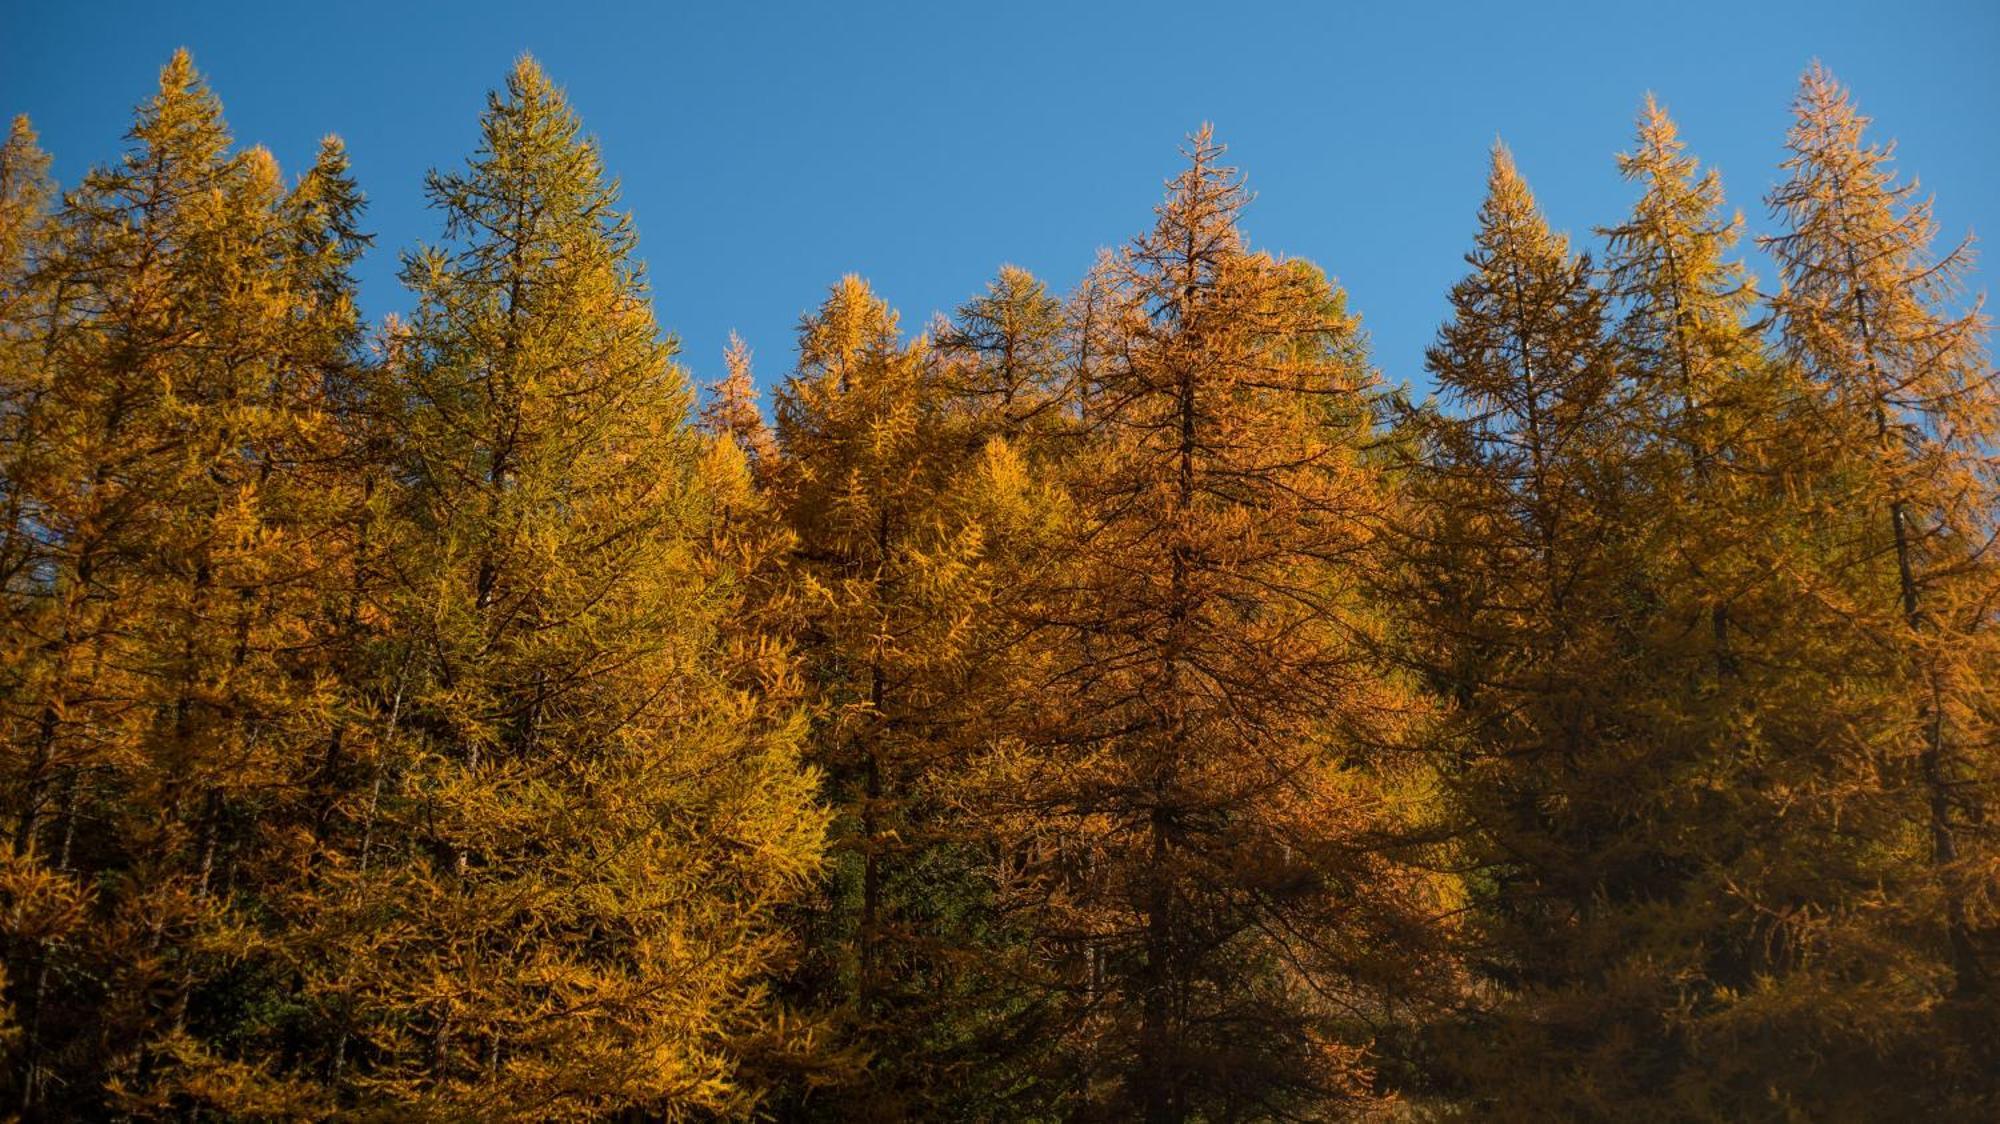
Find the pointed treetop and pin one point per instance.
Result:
(1658, 134)
(326, 208)
(535, 195)
(1679, 220)
(1014, 282)
(179, 73)
(736, 358)
(21, 131)
(1688, 306)
(732, 399)
(1838, 178)
(330, 182)
(25, 190)
(1861, 276)
(1503, 176)
(1507, 192)
(1526, 287)
(527, 76)
(1828, 130)
(730, 409)
(262, 164)
(182, 119)
(1015, 302)
(1822, 97)
(1660, 161)
(1195, 233)
(530, 92)
(531, 132)
(852, 320)
(1204, 200)
(529, 88)
(1510, 216)
(1203, 152)
(182, 84)
(24, 167)
(331, 157)
(329, 189)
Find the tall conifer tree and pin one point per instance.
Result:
(895, 590)
(731, 409)
(1003, 357)
(25, 195)
(1519, 619)
(46, 901)
(1212, 744)
(164, 667)
(564, 905)
(1904, 421)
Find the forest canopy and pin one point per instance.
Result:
(1120, 704)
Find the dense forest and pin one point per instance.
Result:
(1119, 705)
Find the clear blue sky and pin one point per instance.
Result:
(766, 148)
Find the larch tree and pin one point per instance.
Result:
(25, 196)
(750, 545)
(324, 485)
(1904, 417)
(1702, 423)
(164, 667)
(895, 587)
(1008, 380)
(1003, 357)
(89, 438)
(44, 901)
(731, 409)
(1211, 750)
(562, 900)
(1520, 618)
(1700, 381)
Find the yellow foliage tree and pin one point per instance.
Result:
(1211, 756)
(562, 900)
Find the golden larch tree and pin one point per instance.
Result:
(1213, 738)
(1904, 418)
(563, 901)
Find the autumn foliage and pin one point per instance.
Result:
(1120, 705)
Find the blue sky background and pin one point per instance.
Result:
(767, 148)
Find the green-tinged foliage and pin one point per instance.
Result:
(896, 580)
(1521, 615)
(1697, 874)
(1003, 359)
